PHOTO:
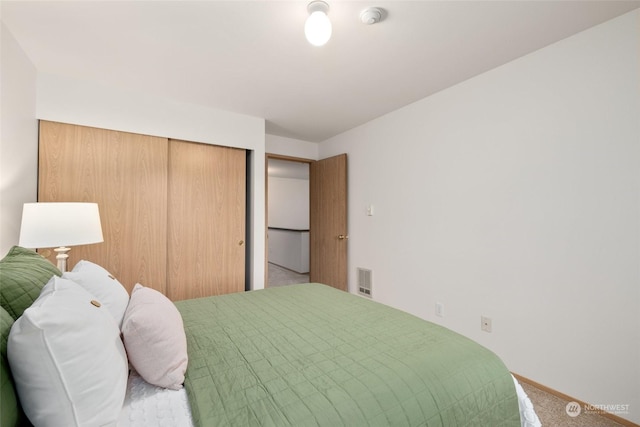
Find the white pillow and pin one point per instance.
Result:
(67, 359)
(102, 285)
(154, 337)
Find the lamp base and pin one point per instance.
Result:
(62, 257)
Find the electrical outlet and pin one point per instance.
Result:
(485, 323)
(439, 309)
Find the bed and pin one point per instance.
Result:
(309, 354)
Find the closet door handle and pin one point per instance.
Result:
(342, 237)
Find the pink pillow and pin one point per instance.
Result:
(154, 338)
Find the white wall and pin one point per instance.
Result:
(516, 195)
(289, 249)
(291, 147)
(18, 139)
(69, 100)
(288, 210)
(288, 203)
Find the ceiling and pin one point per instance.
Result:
(251, 57)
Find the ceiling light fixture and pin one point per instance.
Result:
(317, 29)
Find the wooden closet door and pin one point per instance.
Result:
(206, 220)
(126, 174)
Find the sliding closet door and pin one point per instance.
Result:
(125, 174)
(206, 214)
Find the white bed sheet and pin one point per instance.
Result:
(146, 405)
(528, 416)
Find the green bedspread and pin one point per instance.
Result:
(308, 354)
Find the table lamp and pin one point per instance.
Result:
(48, 225)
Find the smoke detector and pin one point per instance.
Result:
(371, 15)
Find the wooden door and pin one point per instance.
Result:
(206, 214)
(125, 174)
(328, 233)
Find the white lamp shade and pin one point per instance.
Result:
(48, 225)
(317, 29)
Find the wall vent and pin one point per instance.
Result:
(364, 282)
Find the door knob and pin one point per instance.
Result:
(343, 237)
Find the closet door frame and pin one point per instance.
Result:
(128, 175)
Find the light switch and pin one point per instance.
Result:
(370, 210)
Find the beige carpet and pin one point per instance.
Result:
(552, 411)
(280, 276)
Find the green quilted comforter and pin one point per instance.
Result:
(307, 355)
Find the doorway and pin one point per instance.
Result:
(287, 220)
(328, 234)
